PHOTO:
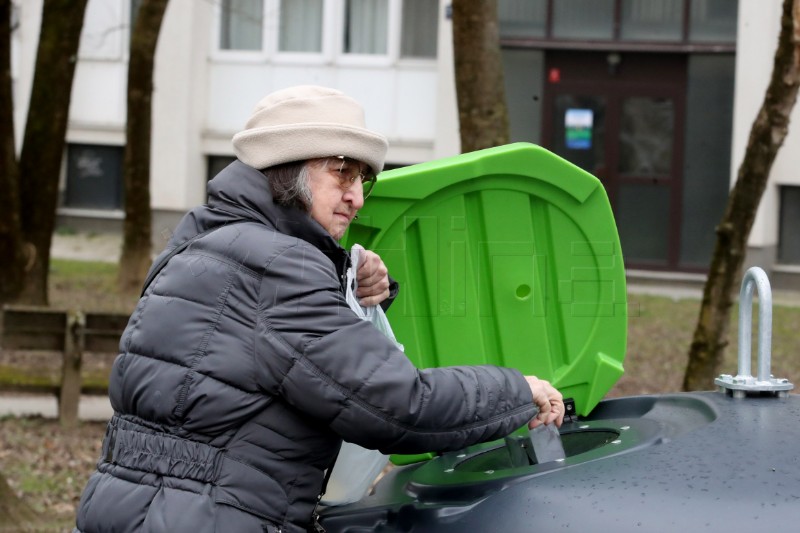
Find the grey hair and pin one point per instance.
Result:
(289, 184)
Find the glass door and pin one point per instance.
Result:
(624, 126)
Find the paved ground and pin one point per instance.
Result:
(89, 247)
(90, 408)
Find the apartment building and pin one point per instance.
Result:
(654, 97)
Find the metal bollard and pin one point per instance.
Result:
(738, 386)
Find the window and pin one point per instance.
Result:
(652, 20)
(522, 18)
(241, 25)
(788, 237)
(366, 26)
(420, 27)
(315, 30)
(135, 5)
(707, 154)
(94, 176)
(709, 23)
(300, 26)
(216, 163)
(713, 21)
(583, 19)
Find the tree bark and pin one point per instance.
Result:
(12, 268)
(44, 139)
(766, 137)
(15, 514)
(482, 109)
(136, 246)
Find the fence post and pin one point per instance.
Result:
(70, 392)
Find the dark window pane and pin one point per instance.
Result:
(94, 176)
(366, 26)
(420, 28)
(642, 215)
(241, 24)
(522, 18)
(135, 4)
(583, 19)
(645, 137)
(301, 26)
(652, 20)
(713, 21)
(524, 83)
(216, 163)
(707, 160)
(789, 237)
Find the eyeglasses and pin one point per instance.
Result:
(349, 170)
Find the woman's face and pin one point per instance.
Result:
(336, 198)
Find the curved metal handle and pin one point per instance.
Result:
(738, 386)
(756, 278)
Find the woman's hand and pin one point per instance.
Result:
(548, 400)
(372, 277)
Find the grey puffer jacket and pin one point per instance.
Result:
(243, 368)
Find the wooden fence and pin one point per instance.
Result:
(73, 333)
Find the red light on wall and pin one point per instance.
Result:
(554, 75)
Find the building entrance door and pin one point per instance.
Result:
(620, 117)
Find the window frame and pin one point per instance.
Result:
(413, 61)
(394, 13)
(239, 56)
(333, 27)
(302, 58)
(119, 202)
(616, 42)
(780, 250)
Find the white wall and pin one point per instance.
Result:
(25, 40)
(448, 138)
(97, 104)
(759, 26)
(178, 169)
(400, 102)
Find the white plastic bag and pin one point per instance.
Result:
(373, 313)
(356, 467)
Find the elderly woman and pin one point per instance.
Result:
(242, 368)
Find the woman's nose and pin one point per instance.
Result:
(355, 195)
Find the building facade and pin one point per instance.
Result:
(654, 97)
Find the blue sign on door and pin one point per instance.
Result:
(578, 128)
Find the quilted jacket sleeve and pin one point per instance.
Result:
(322, 359)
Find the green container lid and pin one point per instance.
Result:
(506, 256)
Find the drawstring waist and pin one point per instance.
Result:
(140, 448)
(162, 454)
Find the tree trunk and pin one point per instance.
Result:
(766, 137)
(12, 268)
(15, 514)
(45, 129)
(136, 247)
(482, 110)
